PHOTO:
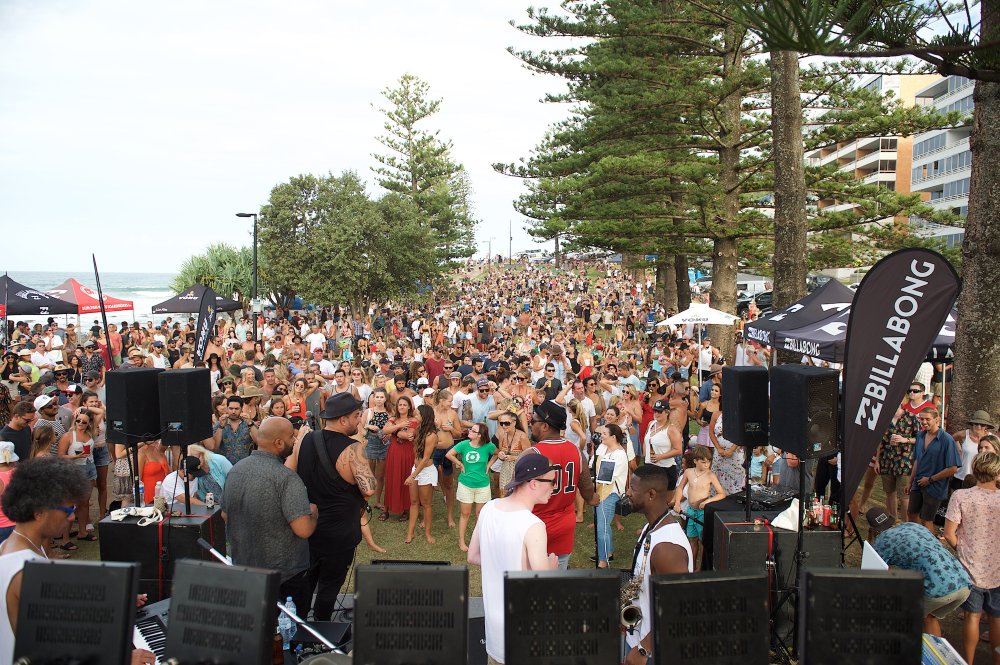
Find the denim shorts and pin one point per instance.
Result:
(90, 470)
(983, 600)
(101, 456)
(439, 459)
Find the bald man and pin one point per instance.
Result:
(268, 515)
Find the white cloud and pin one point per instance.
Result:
(165, 119)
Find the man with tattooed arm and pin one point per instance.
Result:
(339, 481)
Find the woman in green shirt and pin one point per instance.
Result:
(472, 458)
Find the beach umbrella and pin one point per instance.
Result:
(700, 314)
(20, 300)
(187, 301)
(85, 298)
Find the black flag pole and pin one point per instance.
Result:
(104, 314)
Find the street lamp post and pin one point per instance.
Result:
(253, 295)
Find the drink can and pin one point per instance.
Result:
(826, 515)
(210, 500)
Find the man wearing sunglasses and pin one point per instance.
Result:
(508, 535)
(915, 402)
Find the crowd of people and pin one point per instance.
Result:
(526, 396)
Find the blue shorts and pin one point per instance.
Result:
(438, 456)
(983, 600)
(376, 447)
(695, 523)
(101, 456)
(90, 470)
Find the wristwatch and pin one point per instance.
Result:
(643, 652)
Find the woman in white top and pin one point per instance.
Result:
(610, 486)
(727, 463)
(78, 445)
(980, 424)
(663, 442)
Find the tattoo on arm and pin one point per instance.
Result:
(363, 476)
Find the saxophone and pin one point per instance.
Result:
(631, 615)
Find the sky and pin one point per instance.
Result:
(136, 130)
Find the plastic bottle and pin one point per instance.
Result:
(158, 489)
(286, 625)
(142, 493)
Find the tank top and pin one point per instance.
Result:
(501, 544)
(658, 442)
(298, 409)
(152, 473)
(969, 451)
(10, 565)
(559, 514)
(76, 447)
(339, 502)
(668, 533)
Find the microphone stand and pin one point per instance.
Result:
(281, 606)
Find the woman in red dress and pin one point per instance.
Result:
(399, 459)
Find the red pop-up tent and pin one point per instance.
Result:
(85, 298)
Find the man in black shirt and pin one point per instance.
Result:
(339, 481)
(18, 430)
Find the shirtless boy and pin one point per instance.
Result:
(700, 481)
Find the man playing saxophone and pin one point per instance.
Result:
(662, 548)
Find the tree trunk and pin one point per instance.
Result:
(558, 252)
(724, 250)
(790, 265)
(666, 282)
(683, 282)
(977, 344)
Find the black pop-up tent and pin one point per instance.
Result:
(187, 301)
(829, 299)
(20, 300)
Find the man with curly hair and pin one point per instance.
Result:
(40, 499)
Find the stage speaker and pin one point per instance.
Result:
(869, 617)
(185, 406)
(157, 547)
(745, 405)
(804, 408)
(133, 401)
(717, 618)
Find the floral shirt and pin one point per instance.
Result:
(896, 459)
(912, 547)
(236, 444)
(977, 513)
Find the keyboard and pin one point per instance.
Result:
(150, 630)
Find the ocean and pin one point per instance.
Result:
(144, 289)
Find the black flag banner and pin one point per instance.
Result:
(897, 314)
(206, 322)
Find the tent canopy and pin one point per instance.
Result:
(20, 300)
(187, 301)
(85, 298)
(700, 313)
(829, 299)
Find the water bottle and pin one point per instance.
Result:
(142, 492)
(286, 625)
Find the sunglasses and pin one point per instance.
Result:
(82, 422)
(915, 390)
(484, 391)
(550, 481)
(69, 510)
(506, 424)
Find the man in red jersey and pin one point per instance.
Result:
(559, 514)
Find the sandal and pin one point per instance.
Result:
(90, 537)
(73, 534)
(68, 547)
(383, 517)
(403, 517)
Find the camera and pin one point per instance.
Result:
(297, 422)
(597, 438)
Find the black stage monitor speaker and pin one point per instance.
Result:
(557, 617)
(76, 612)
(745, 405)
(133, 405)
(185, 406)
(222, 614)
(411, 615)
(157, 547)
(804, 403)
(717, 618)
(862, 617)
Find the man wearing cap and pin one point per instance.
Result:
(559, 514)
(912, 547)
(199, 481)
(235, 436)
(707, 355)
(482, 404)
(136, 359)
(92, 360)
(18, 430)
(339, 481)
(509, 535)
(156, 357)
(47, 407)
(935, 461)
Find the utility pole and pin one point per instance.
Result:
(510, 241)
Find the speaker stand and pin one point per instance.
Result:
(791, 594)
(747, 454)
(138, 473)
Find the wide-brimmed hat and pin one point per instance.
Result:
(528, 467)
(250, 391)
(339, 405)
(982, 417)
